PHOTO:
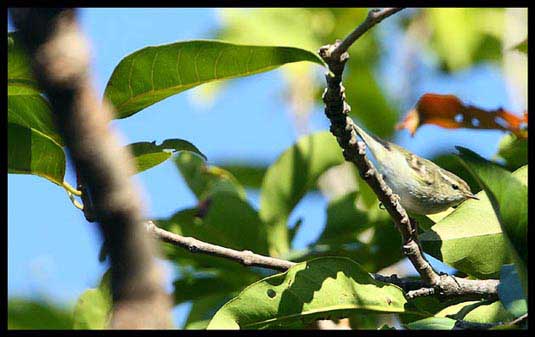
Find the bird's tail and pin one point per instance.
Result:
(379, 148)
(369, 140)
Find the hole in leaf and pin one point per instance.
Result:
(271, 293)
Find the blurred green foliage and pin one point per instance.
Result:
(468, 238)
(27, 314)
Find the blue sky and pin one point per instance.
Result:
(52, 250)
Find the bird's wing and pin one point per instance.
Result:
(418, 164)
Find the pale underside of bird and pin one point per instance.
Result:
(422, 186)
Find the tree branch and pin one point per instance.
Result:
(60, 59)
(343, 128)
(374, 17)
(463, 287)
(246, 257)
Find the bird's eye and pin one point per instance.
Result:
(454, 186)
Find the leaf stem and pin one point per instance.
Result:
(71, 189)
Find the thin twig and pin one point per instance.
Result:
(60, 59)
(246, 257)
(374, 17)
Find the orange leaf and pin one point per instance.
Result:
(448, 111)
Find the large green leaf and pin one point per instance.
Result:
(204, 180)
(322, 288)
(26, 105)
(25, 314)
(31, 111)
(469, 239)
(148, 154)
(34, 146)
(289, 178)
(153, 73)
(92, 311)
(508, 194)
(32, 152)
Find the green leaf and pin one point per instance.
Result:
(19, 72)
(514, 151)
(193, 288)
(232, 222)
(225, 220)
(289, 178)
(148, 154)
(453, 311)
(364, 94)
(522, 46)
(32, 111)
(463, 36)
(432, 323)
(32, 152)
(508, 194)
(344, 220)
(370, 240)
(510, 291)
(25, 314)
(323, 288)
(487, 313)
(204, 180)
(26, 105)
(469, 239)
(249, 175)
(154, 73)
(477, 312)
(202, 311)
(94, 306)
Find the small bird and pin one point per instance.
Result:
(422, 186)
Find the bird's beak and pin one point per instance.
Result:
(472, 196)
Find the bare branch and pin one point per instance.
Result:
(462, 287)
(60, 59)
(374, 17)
(246, 257)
